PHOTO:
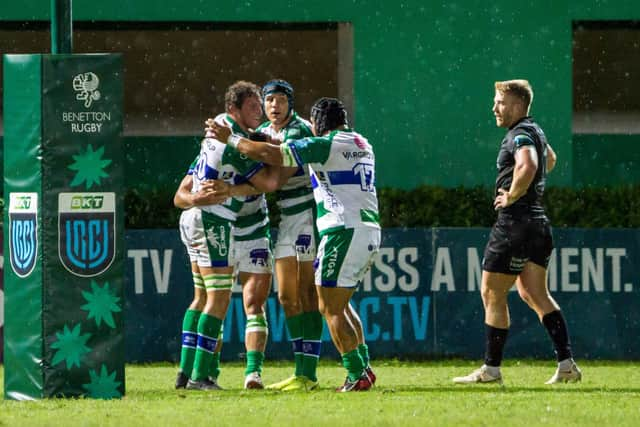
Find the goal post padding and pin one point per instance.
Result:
(63, 226)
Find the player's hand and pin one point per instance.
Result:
(219, 188)
(503, 199)
(211, 192)
(208, 131)
(221, 133)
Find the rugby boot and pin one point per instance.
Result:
(301, 383)
(480, 375)
(310, 384)
(181, 380)
(572, 375)
(253, 381)
(371, 374)
(361, 384)
(206, 384)
(282, 384)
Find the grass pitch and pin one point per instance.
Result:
(407, 393)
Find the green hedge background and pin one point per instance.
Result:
(429, 206)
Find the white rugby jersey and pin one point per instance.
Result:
(296, 195)
(342, 166)
(220, 161)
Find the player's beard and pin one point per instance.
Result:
(504, 120)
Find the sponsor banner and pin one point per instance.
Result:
(421, 297)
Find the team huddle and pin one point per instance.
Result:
(329, 212)
(323, 175)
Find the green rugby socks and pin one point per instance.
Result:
(311, 343)
(189, 340)
(208, 331)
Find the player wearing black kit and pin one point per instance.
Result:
(522, 232)
(521, 241)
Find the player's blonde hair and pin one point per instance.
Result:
(518, 87)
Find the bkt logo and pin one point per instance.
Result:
(23, 202)
(86, 232)
(23, 232)
(87, 202)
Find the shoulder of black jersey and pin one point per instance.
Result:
(522, 133)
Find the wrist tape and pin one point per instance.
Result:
(234, 140)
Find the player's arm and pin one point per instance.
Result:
(267, 179)
(524, 171)
(182, 198)
(289, 155)
(264, 152)
(285, 174)
(224, 189)
(185, 199)
(551, 158)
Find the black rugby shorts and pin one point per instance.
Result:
(514, 242)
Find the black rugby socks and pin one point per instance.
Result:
(557, 328)
(495, 341)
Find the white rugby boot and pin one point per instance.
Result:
(484, 374)
(253, 381)
(566, 374)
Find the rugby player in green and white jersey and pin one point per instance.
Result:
(185, 199)
(253, 263)
(206, 231)
(342, 166)
(295, 248)
(252, 258)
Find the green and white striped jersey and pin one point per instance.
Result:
(253, 218)
(342, 166)
(296, 195)
(220, 161)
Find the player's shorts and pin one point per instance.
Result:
(252, 256)
(514, 242)
(296, 237)
(206, 237)
(344, 256)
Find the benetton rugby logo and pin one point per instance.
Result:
(86, 86)
(86, 232)
(23, 232)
